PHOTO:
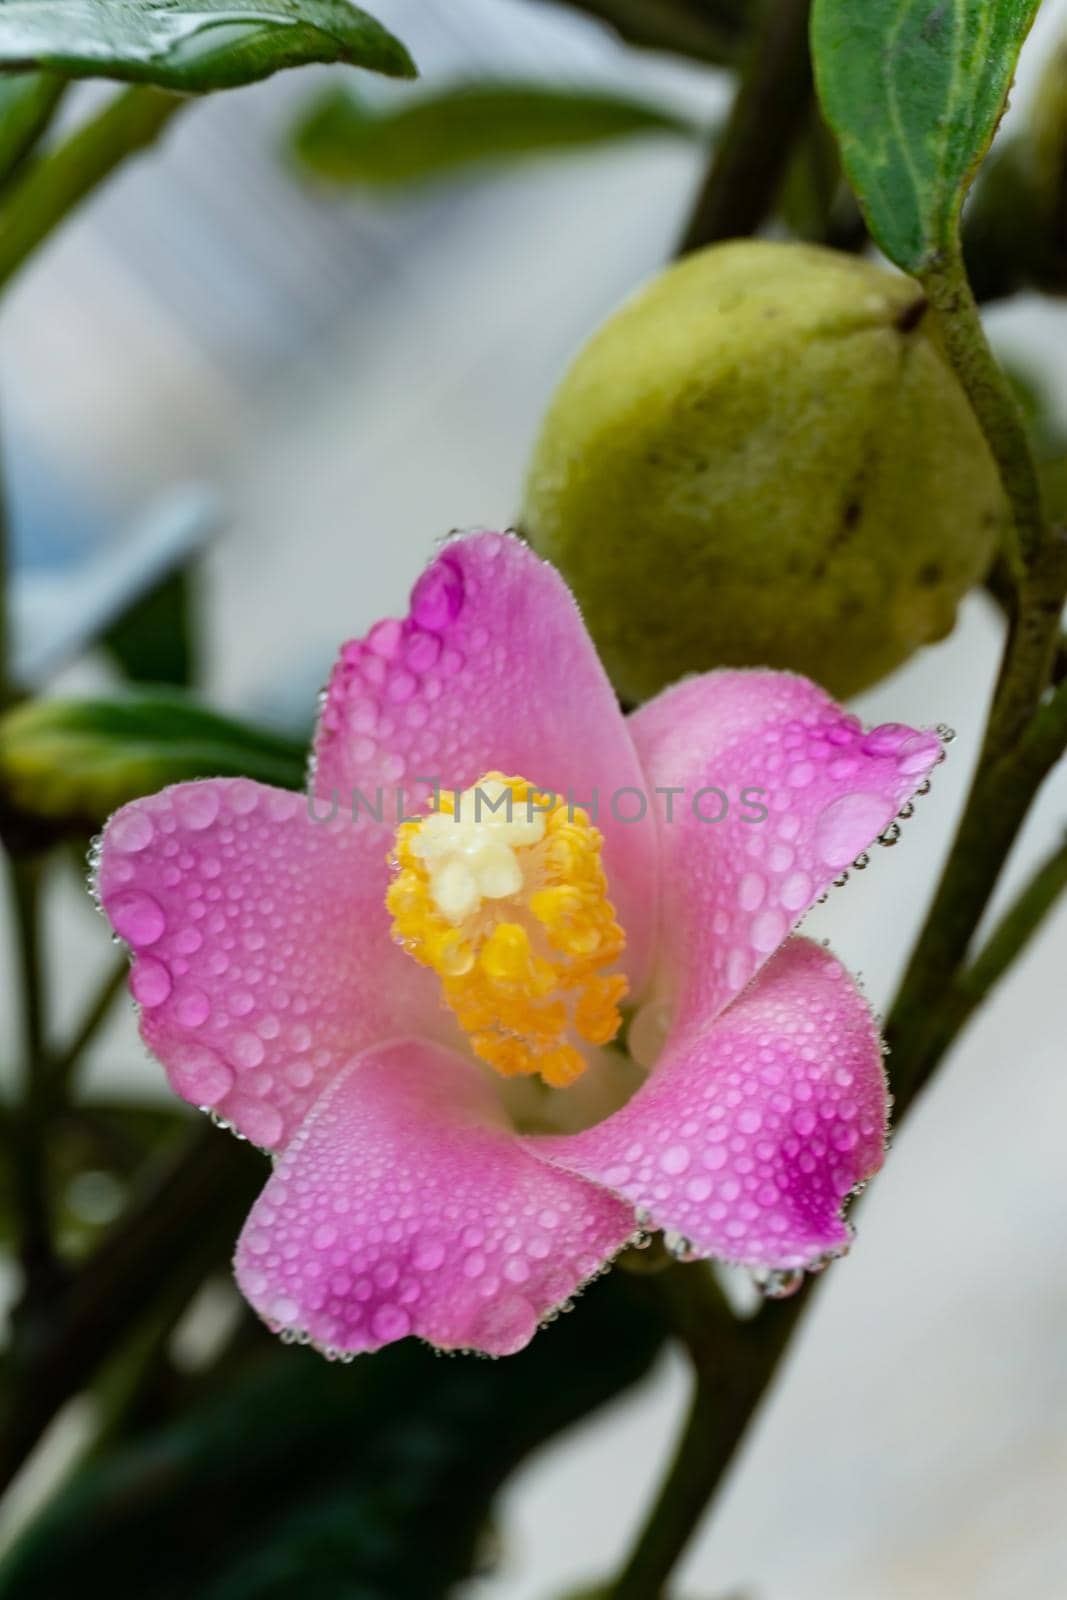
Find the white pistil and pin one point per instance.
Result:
(472, 856)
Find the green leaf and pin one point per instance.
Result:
(914, 90)
(193, 46)
(27, 103)
(475, 123)
(363, 1482)
(75, 761)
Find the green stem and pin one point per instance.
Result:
(753, 151)
(999, 802)
(64, 1060)
(963, 338)
(1011, 936)
(28, 103)
(712, 31)
(179, 1226)
(50, 191)
(7, 689)
(1015, 930)
(733, 1363)
(31, 1121)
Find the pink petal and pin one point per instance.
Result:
(261, 954)
(756, 1124)
(405, 1205)
(492, 670)
(731, 890)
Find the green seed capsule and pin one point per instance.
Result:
(763, 460)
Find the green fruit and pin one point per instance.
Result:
(763, 460)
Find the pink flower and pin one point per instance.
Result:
(416, 1190)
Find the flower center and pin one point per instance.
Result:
(501, 891)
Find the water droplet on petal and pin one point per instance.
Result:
(675, 1159)
(795, 892)
(137, 918)
(197, 805)
(437, 597)
(750, 891)
(258, 1121)
(247, 1049)
(846, 826)
(384, 638)
(401, 687)
(768, 930)
(918, 753)
(779, 1285)
(131, 831)
(199, 1074)
(150, 982)
(422, 649)
(193, 1008)
(390, 1322)
(886, 739)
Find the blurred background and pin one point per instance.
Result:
(312, 386)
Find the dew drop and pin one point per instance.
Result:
(401, 687)
(193, 1008)
(384, 638)
(199, 1074)
(258, 1121)
(779, 1285)
(421, 650)
(247, 1049)
(886, 739)
(197, 806)
(675, 1159)
(131, 831)
(284, 1309)
(437, 597)
(750, 891)
(738, 969)
(796, 891)
(918, 754)
(137, 918)
(768, 930)
(390, 1322)
(847, 825)
(150, 982)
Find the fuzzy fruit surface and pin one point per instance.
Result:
(763, 459)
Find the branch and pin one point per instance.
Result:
(50, 191)
(1001, 588)
(963, 338)
(733, 1362)
(63, 1060)
(753, 151)
(30, 1119)
(703, 30)
(190, 1211)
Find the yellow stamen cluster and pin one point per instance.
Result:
(501, 891)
